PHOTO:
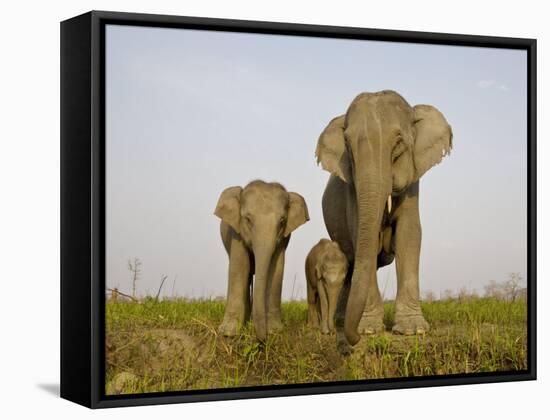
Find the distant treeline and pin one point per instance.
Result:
(510, 290)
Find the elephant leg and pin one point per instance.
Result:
(384, 259)
(248, 298)
(312, 316)
(323, 301)
(408, 313)
(274, 322)
(238, 289)
(342, 343)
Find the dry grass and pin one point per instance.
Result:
(174, 345)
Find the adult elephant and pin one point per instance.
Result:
(376, 154)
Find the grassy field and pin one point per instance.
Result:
(173, 345)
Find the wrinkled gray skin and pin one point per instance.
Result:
(326, 270)
(257, 221)
(379, 148)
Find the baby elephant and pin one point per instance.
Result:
(326, 269)
(256, 224)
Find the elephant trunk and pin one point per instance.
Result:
(263, 255)
(332, 295)
(372, 185)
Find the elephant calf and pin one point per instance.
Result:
(257, 221)
(326, 269)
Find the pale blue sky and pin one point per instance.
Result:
(190, 113)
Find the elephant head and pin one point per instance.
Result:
(381, 145)
(264, 215)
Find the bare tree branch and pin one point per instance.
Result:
(163, 279)
(118, 292)
(135, 268)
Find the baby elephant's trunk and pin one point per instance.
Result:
(333, 292)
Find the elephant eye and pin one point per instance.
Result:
(282, 222)
(248, 220)
(399, 149)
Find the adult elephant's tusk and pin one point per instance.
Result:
(389, 203)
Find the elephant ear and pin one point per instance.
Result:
(434, 138)
(318, 270)
(297, 213)
(229, 207)
(331, 150)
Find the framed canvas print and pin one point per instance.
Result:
(256, 209)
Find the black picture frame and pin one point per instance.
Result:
(83, 206)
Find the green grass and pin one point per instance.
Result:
(174, 345)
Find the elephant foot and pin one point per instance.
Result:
(342, 345)
(410, 325)
(229, 328)
(313, 322)
(325, 329)
(371, 324)
(274, 325)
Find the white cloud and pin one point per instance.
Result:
(484, 84)
(492, 84)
